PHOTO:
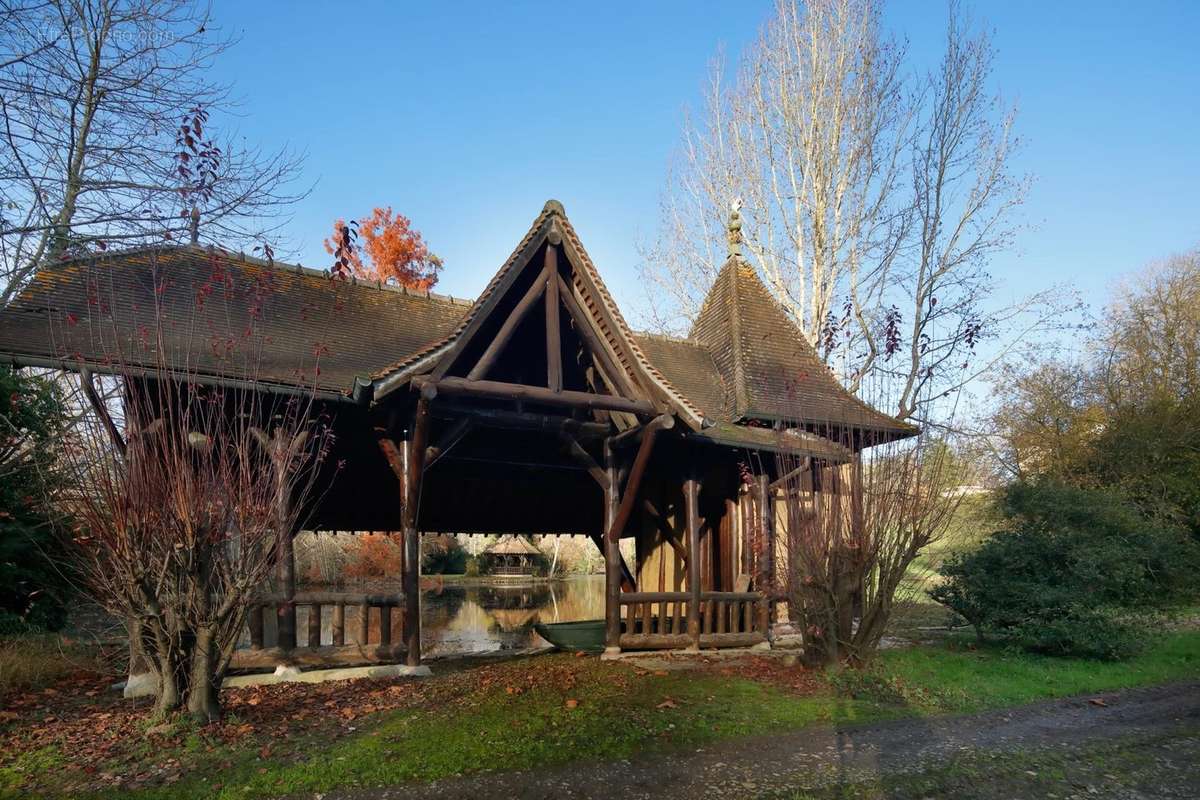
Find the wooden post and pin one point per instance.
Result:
(385, 626)
(414, 462)
(747, 537)
(553, 338)
(766, 518)
(339, 624)
(611, 546)
(286, 610)
(314, 625)
(691, 505)
(364, 623)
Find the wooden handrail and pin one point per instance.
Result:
(654, 597)
(745, 596)
(329, 598)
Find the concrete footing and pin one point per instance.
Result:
(144, 684)
(293, 675)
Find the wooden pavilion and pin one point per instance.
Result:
(533, 409)
(511, 555)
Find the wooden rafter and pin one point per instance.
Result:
(583, 326)
(664, 527)
(577, 451)
(450, 438)
(524, 305)
(554, 378)
(533, 394)
(521, 420)
(633, 485)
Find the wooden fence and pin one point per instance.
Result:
(660, 620)
(387, 645)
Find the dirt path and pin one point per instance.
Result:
(823, 756)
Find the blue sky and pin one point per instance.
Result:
(466, 117)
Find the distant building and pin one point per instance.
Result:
(512, 555)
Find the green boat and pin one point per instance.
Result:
(586, 635)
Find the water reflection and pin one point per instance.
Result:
(479, 618)
(459, 617)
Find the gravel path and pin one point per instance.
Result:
(760, 765)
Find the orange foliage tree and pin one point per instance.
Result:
(375, 555)
(391, 250)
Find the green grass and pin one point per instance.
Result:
(967, 680)
(621, 713)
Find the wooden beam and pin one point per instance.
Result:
(628, 581)
(628, 436)
(553, 333)
(629, 495)
(394, 458)
(669, 533)
(805, 464)
(583, 326)
(533, 394)
(88, 384)
(691, 507)
(532, 295)
(522, 421)
(414, 453)
(577, 451)
(450, 438)
(611, 548)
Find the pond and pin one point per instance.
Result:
(461, 616)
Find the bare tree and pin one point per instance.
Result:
(104, 136)
(873, 197)
(852, 535)
(1149, 342)
(179, 496)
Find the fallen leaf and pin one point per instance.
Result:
(668, 703)
(571, 703)
(1098, 701)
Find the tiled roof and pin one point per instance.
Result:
(744, 360)
(595, 297)
(770, 370)
(511, 545)
(793, 441)
(216, 307)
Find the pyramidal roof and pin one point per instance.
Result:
(512, 544)
(770, 370)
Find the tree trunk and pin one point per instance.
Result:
(169, 696)
(203, 691)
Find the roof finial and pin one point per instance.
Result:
(733, 229)
(194, 225)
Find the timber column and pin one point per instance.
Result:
(766, 522)
(413, 469)
(286, 610)
(691, 506)
(612, 556)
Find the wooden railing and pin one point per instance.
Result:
(655, 620)
(659, 620)
(386, 645)
(733, 619)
